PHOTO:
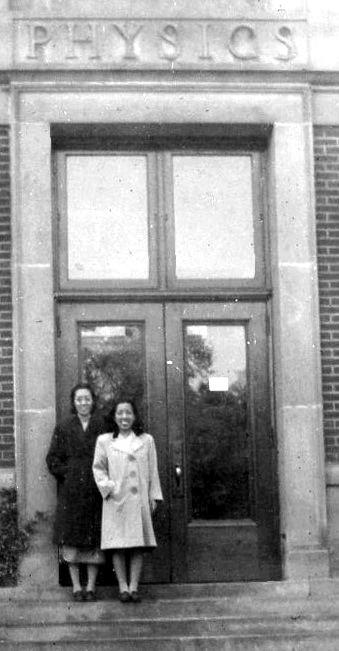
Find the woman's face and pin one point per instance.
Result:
(124, 416)
(83, 402)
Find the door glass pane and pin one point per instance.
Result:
(213, 217)
(107, 220)
(216, 420)
(112, 360)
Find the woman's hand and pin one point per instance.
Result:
(153, 505)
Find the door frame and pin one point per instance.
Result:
(265, 502)
(157, 567)
(164, 363)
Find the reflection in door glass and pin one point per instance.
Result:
(216, 421)
(112, 360)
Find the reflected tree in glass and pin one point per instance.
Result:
(218, 442)
(112, 361)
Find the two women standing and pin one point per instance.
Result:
(125, 472)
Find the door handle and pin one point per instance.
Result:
(178, 474)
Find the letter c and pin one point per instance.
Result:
(243, 43)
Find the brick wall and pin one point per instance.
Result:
(6, 341)
(326, 156)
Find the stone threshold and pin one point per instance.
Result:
(313, 588)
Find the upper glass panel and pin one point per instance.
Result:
(107, 217)
(213, 214)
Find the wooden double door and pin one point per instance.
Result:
(199, 374)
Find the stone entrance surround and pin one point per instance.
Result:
(295, 331)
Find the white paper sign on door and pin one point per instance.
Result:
(218, 383)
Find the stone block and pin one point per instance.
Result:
(32, 196)
(37, 487)
(301, 477)
(34, 354)
(312, 563)
(296, 335)
(292, 221)
(39, 567)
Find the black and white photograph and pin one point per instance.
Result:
(169, 325)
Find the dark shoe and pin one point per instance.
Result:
(124, 597)
(135, 597)
(78, 596)
(89, 595)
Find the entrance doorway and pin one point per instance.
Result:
(199, 374)
(164, 292)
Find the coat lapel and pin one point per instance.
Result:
(136, 444)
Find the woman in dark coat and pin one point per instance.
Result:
(78, 515)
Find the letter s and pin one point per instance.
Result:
(285, 36)
(169, 41)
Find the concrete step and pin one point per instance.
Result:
(217, 633)
(49, 613)
(254, 589)
(273, 616)
(186, 644)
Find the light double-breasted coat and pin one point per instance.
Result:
(127, 480)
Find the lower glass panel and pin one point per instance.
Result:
(216, 421)
(112, 360)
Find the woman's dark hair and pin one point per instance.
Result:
(138, 427)
(82, 385)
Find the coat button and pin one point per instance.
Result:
(132, 473)
(134, 490)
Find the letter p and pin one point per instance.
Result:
(38, 37)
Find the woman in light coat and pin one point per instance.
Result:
(126, 473)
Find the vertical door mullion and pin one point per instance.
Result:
(258, 219)
(61, 222)
(176, 433)
(266, 487)
(169, 216)
(160, 213)
(154, 227)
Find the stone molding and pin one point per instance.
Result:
(218, 102)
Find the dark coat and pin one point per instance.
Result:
(78, 515)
